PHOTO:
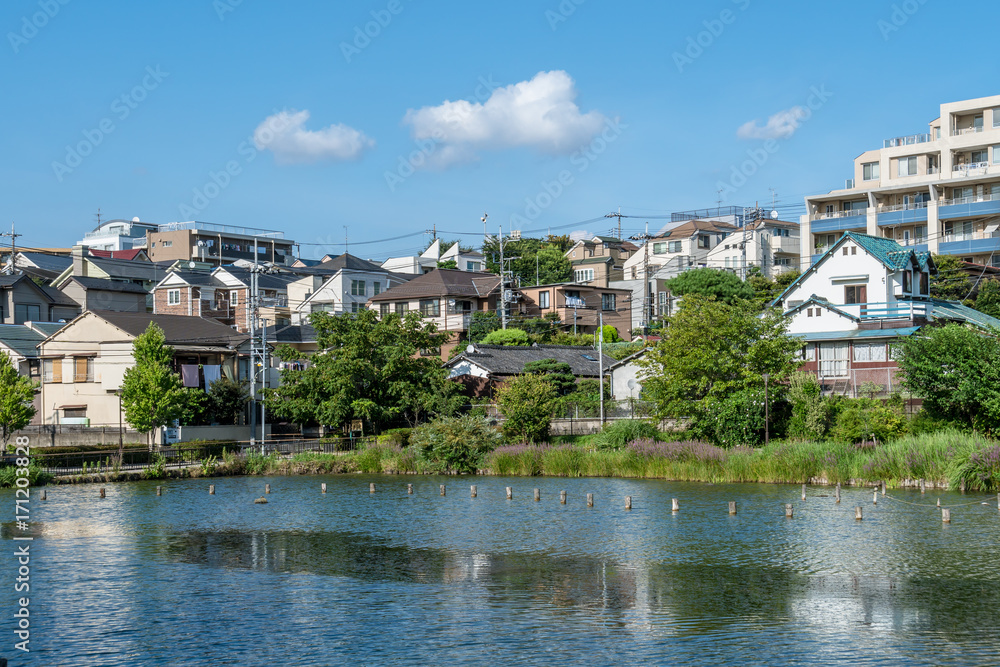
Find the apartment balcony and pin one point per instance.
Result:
(840, 221)
(966, 130)
(965, 207)
(785, 244)
(967, 243)
(901, 214)
(970, 169)
(899, 310)
(908, 140)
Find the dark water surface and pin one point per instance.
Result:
(351, 577)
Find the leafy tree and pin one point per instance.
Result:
(863, 419)
(956, 370)
(812, 413)
(16, 396)
(722, 285)
(558, 373)
(988, 300)
(951, 282)
(507, 337)
(482, 324)
(539, 328)
(456, 444)
(152, 394)
(526, 403)
(227, 400)
(610, 335)
(552, 265)
(766, 289)
(711, 349)
(448, 264)
(369, 369)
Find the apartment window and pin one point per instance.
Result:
(26, 312)
(472, 266)
(979, 156)
(782, 261)
(856, 206)
(402, 307)
(383, 309)
(704, 241)
(583, 275)
(829, 208)
(543, 299)
(870, 171)
(907, 166)
(376, 288)
(173, 297)
(51, 370)
(674, 246)
(869, 352)
(659, 248)
(608, 301)
(430, 307)
(855, 294)
(996, 154)
(920, 233)
(83, 369)
(168, 244)
(357, 288)
(75, 413)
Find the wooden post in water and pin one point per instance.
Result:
(803, 492)
(473, 491)
(267, 488)
(732, 507)
(371, 488)
(510, 493)
(43, 494)
(857, 513)
(211, 489)
(875, 498)
(102, 492)
(674, 505)
(628, 502)
(836, 493)
(946, 515)
(923, 486)
(562, 497)
(538, 495)
(159, 491)
(590, 500)
(939, 502)
(998, 499)
(883, 487)
(409, 489)
(961, 486)
(788, 511)
(323, 487)
(442, 489)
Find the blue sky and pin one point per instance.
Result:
(571, 110)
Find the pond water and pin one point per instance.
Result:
(361, 578)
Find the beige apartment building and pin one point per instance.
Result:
(218, 244)
(937, 190)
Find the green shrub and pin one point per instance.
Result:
(455, 443)
(507, 337)
(395, 436)
(157, 469)
(863, 419)
(812, 413)
(256, 463)
(36, 477)
(619, 433)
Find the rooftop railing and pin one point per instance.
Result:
(224, 229)
(908, 140)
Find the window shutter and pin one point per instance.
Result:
(81, 369)
(57, 370)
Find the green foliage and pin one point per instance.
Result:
(812, 413)
(157, 469)
(448, 264)
(396, 436)
(227, 400)
(152, 394)
(864, 419)
(455, 444)
(956, 370)
(369, 369)
(552, 265)
(766, 289)
(507, 337)
(711, 349)
(558, 373)
(287, 353)
(255, 463)
(621, 350)
(16, 396)
(36, 476)
(482, 324)
(570, 338)
(617, 434)
(988, 299)
(526, 403)
(539, 329)
(583, 401)
(209, 465)
(735, 420)
(610, 335)
(951, 283)
(724, 286)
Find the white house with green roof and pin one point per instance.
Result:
(862, 295)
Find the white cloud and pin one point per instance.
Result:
(539, 114)
(580, 235)
(285, 135)
(779, 126)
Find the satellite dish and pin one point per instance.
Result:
(631, 384)
(191, 265)
(470, 349)
(774, 215)
(136, 219)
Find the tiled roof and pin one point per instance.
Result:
(956, 312)
(275, 281)
(691, 227)
(105, 285)
(443, 282)
(350, 262)
(855, 334)
(20, 339)
(52, 265)
(124, 268)
(502, 360)
(592, 260)
(178, 329)
(200, 279)
(291, 333)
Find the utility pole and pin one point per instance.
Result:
(647, 294)
(600, 361)
(503, 283)
(619, 216)
(258, 349)
(13, 248)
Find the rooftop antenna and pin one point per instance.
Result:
(718, 202)
(485, 235)
(98, 217)
(345, 240)
(13, 248)
(619, 216)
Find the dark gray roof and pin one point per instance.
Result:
(20, 339)
(350, 262)
(178, 329)
(200, 278)
(291, 333)
(501, 360)
(106, 285)
(6, 280)
(276, 281)
(443, 282)
(44, 264)
(58, 297)
(47, 328)
(52, 294)
(126, 268)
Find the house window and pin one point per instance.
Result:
(51, 370)
(402, 307)
(673, 246)
(659, 248)
(583, 275)
(808, 353)
(543, 299)
(83, 369)
(907, 282)
(855, 294)
(608, 301)
(833, 359)
(869, 171)
(430, 307)
(907, 166)
(869, 352)
(168, 244)
(357, 288)
(383, 310)
(173, 297)
(376, 288)
(704, 241)
(923, 282)
(234, 298)
(357, 307)
(809, 312)
(26, 312)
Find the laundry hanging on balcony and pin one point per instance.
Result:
(189, 374)
(211, 374)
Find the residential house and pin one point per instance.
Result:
(937, 190)
(428, 260)
(84, 363)
(625, 376)
(23, 300)
(599, 260)
(117, 235)
(770, 245)
(20, 343)
(865, 293)
(445, 297)
(133, 254)
(300, 337)
(42, 265)
(579, 307)
(112, 283)
(338, 285)
(218, 244)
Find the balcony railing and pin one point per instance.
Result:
(966, 130)
(274, 301)
(972, 166)
(840, 214)
(908, 140)
(969, 236)
(971, 199)
(899, 310)
(912, 206)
